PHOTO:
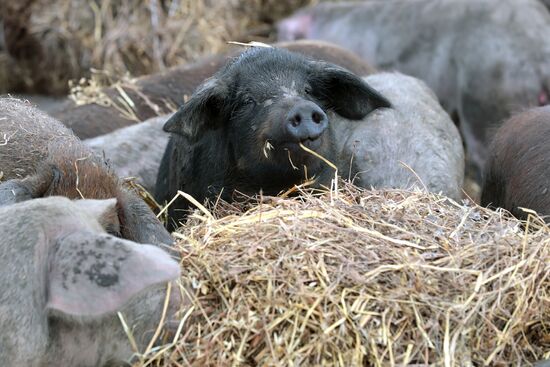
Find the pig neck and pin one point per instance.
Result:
(82, 343)
(269, 184)
(268, 179)
(23, 297)
(214, 158)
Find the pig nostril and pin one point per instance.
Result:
(316, 117)
(295, 121)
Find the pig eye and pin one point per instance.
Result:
(249, 101)
(307, 90)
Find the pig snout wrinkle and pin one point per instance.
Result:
(306, 121)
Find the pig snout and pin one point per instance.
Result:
(306, 122)
(294, 28)
(543, 97)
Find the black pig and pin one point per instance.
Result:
(242, 128)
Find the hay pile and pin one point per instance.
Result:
(54, 41)
(363, 278)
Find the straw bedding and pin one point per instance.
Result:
(359, 277)
(349, 277)
(61, 40)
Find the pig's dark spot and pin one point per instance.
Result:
(76, 271)
(100, 243)
(64, 279)
(107, 280)
(101, 276)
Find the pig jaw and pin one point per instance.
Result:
(77, 341)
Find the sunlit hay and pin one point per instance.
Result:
(369, 278)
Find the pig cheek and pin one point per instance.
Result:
(268, 133)
(78, 343)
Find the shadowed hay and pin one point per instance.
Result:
(376, 278)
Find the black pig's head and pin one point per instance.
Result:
(266, 102)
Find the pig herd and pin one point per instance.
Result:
(390, 94)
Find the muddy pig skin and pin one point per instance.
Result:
(484, 59)
(517, 173)
(412, 144)
(241, 129)
(41, 157)
(135, 150)
(63, 280)
(162, 93)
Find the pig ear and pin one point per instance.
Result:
(104, 211)
(93, 274)
(203, 111)
(30, 187)
(344, 92)
(138, 223)
(14, 191)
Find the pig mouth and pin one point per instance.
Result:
(303, 152)
(294, 145)
(311, 143)
(282, 147)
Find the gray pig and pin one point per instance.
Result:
(484, 59)
(134, 151)
(63, 279)
(413, 143)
